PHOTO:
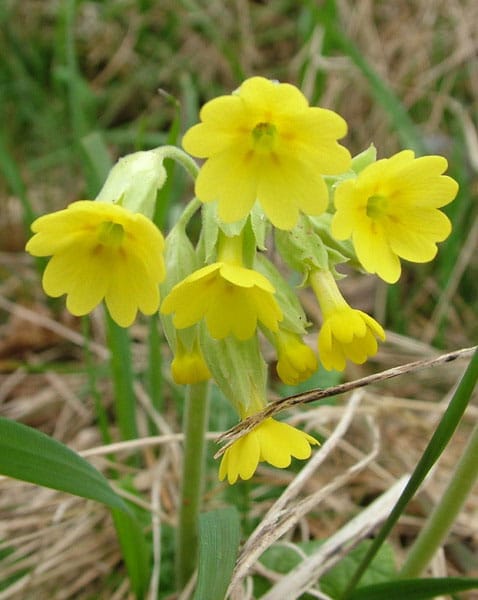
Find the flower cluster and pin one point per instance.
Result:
(274, 170)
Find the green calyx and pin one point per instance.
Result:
(134, 181)
(238, 369)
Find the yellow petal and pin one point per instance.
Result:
(229, 177)
(246, 278)
(130, 289)
(224, 119)
(265, 96)
(286, 187)
(375, 254)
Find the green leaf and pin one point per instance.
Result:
(219, 535)
(282, 559)
(136, 551)
(415, 589)
(32, 456)
(380, 570)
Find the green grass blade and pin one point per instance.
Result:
(123, 378)
(219, 535)
(415, 589)
(11, 173)
(96, 159)
(93, 388)
(136, 552)
(434, 532)
(32, 456)
(437, 444)
(155, 375)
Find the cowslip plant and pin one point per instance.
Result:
(274, 174)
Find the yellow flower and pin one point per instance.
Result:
(264, 142)
(391, 210)
(272, 442)
(229, 297)
(101, 250)
(346, 333)
(296, 361)
(188, 366)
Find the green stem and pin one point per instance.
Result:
(181, 157)
(440, 521)
(191, 208)
(195, 424)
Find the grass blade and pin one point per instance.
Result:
(437, 444)
(136, 551)
(32, 456)
(219, 535)
(123, 378)
(415, 589)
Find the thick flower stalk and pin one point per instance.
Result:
(229, 297)
(296, 361)
(346, 333)
(264, 142)
(271, 441)
(101, 251)
(391, 211)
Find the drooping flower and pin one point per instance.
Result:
(296, 361)
(101, 250)
(189, 366)
(391, 211)
(272, 442)
(346, 333)
(231, 299)
(264, 142)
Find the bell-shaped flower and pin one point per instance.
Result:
(271, 441)
(296, 361)
(231, 298)
(101, 251)
(346, 333)
(188, 365)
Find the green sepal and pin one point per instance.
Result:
(364, 159)
(232, 229)
(209, 233)
(302, 248)
(181, 260)
(359, 163)
(294, 318)
(260, 226)
(337, 251)
(180, 257)
(238, 368)
(134, 181)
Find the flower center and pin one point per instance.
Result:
(377, 206)
(110, 234)
(264, 135)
